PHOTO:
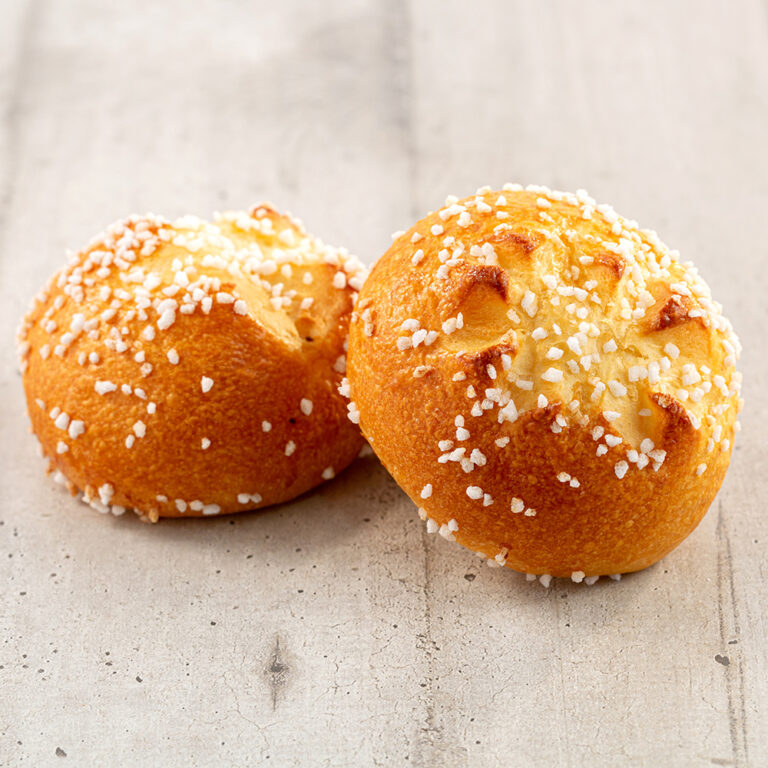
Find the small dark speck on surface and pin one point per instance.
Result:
(213, 623)
(732, 642)
(469, 576)
(724, 660)
(60, 752)
(138, 679)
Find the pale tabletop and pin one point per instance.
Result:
(333, 631)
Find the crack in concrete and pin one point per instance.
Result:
(401, 52)
(277, 672)
(430, 729)
(12, 118)
(563, 708)
(737, 725)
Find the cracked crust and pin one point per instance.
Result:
(580, 418)
(198, 363)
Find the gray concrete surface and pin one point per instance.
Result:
(332, 631)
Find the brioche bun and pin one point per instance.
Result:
(191, 368)
(548, 382)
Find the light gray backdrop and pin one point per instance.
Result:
(332, 631)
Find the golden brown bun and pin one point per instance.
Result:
(577, 464)
(191, 367)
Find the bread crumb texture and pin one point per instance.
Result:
(561, 383)
(154, 360)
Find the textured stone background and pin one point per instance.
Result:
(333, 631)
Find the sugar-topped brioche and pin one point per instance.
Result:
(548, 382)
(191, 368)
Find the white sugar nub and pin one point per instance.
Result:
(339, 280)
(553, 375)
(529, 303)
(617, 388)
(474, 492)
(76, 428)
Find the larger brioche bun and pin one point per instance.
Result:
(191, 368)
(548, 382)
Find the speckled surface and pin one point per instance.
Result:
(333, 631)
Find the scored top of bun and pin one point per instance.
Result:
(190, 367)
(546, 380)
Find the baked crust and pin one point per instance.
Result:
(155, 363)
(547, 382)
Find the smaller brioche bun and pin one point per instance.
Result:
(551, 386)
(191, 368)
